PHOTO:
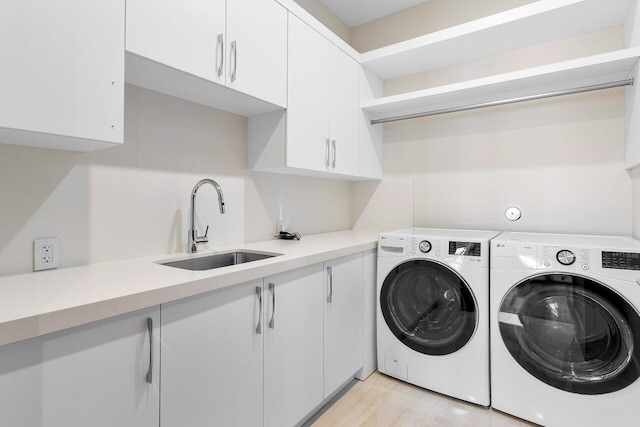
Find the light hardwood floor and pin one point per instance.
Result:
(384, 401)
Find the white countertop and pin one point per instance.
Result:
(35, 304)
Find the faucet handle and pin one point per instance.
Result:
(201, 239)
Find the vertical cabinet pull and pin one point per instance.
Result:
(150, 331)
(333, 143)
(330, 274)
(259, 294)
(234, 55)
(328, 155)
(272, 289)
(220, 54)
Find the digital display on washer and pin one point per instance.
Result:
(464, 248)
(621, 260)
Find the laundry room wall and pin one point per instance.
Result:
(133, 200)
(560, 160)
(328, 18)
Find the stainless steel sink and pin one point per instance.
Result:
(219, 260)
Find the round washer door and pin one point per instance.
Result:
(572, 332)
(428, 307)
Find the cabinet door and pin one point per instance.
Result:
(293, 383)
(187, 35)
(257, 49)
(212, 372)
(62, 70)
(343, 320)
(92, 375)
(308, 98)
(344, 113)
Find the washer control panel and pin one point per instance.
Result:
(566, 257)
(422, 246)
(611, 261)
(621, 260)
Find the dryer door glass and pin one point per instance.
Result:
(572, 333)
(428, 307)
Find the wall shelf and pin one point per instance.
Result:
(592, 70)
(540, 22)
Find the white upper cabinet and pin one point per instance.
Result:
(309, 100)
(188, 36)
(103, 374)
(344, 112)
(238, 44)
(256, 47)
(62, 73)
(324, 103)
(320, 133)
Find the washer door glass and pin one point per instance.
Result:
(428, 307)
(572, 333)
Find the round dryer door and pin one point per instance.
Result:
(572, 333)
(428, 307)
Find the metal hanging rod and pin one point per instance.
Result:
(583, 89)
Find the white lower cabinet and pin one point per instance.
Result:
(343, 320)
(92, 375)
(293, 357)
(212, 368)
(263, 353)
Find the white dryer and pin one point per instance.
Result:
(433, 310)
(565, 329)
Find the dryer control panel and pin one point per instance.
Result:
(450, 251)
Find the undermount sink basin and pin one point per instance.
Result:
(219, 260)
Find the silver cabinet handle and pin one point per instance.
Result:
(220, 54)
(333, 166)
(259, 294)
(330, 296)
(234, 54)
(328, 156)
(272, 289)
(150, 370)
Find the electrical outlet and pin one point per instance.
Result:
(46, 254)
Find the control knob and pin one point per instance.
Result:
(566, 257)
(425, 246)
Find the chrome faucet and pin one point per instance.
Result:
(194, 239)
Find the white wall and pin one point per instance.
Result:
(133, 200)
(328, 18)
(560, 160)
(424, 18)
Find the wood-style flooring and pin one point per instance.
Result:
(384, 401)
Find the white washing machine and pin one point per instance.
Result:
(433, 310)
(565, 329)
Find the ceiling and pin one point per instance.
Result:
(358, 12)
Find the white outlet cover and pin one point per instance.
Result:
(46, 254)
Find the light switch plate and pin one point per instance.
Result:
(46, 254)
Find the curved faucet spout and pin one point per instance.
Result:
(194, 239)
